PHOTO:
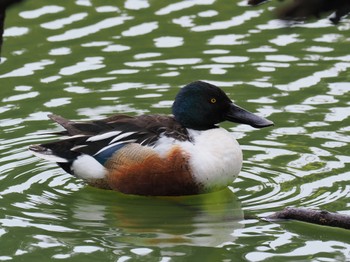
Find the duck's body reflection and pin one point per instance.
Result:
(201, 220)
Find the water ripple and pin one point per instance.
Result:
(235, 21)
(142, 29)
(182, 6)
(62, 22)
(28, 69)
(49, 9)
(89, 63)
(88, 30)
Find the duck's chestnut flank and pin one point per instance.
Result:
(140, 170)
(183, 154)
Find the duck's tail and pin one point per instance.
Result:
(48, 154)
(54, 152)
(76, 163)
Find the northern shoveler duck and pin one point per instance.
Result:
(183, 154)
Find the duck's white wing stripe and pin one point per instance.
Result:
(78, 147)
(103, 136)
(121, 136)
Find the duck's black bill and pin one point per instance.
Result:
(239, 115)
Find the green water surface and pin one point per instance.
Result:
(88, 59)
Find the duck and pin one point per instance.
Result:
(186, 153)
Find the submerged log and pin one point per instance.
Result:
(320, 217)
(3, 5)
(2, 21)
(305, 9)
(256, 2)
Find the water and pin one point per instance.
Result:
(87, 60)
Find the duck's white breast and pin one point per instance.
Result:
(215, 158)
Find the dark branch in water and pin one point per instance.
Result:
(3, 5)
(305, 9)
(320, 217)
(256, 2)
(2, 21)
(7, 3)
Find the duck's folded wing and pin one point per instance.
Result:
(102, 138)
(144, 126)
(73, 128)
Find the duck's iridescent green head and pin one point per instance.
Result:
(200, 105)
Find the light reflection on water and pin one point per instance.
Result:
(90, 61)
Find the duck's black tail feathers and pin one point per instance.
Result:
(58, 152)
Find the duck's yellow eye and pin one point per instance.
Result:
(213, 100)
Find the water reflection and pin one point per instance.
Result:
(206, 220)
